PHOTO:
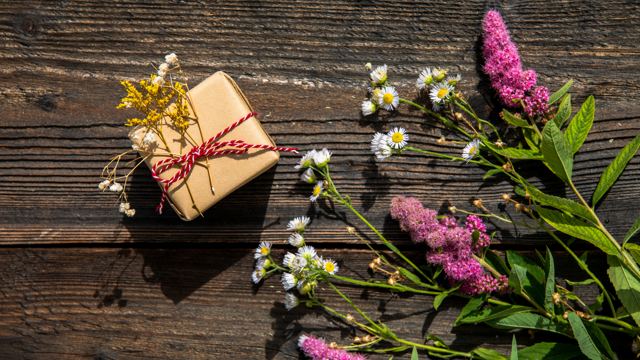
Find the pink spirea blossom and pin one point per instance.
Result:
(451, 245)
(317, 349)
(502, 64)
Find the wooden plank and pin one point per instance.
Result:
(119, 303)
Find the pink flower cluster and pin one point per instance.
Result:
(317, 349)
(452, 246)
(505, 69)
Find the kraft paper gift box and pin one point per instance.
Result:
(218, 103)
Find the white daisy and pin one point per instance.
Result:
(103, 185)
(389, 98)
(438, 74)
(159, 80)
(472, 149)
(288, 281)
(296, 240)
(377, 140)
(115, 187)
(397, 138)
(384, 152)
(288, 260)
(453, 80)
(257, 275)
(436, 107)
(321, 158)
(317, 262)
(306, 160)
(298, 264)
(317, 191)
(439, 93)
(309, 176)
(298, 224)
(307, 252)
(171, 59)
(368, 108)
(379, 75)
(263, 249)
(330, 266)
(290, 301)
(425, 79)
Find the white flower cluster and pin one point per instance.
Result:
(317, 160)
(164, 68)
(381, 94)
(125, 208)
(441, 85)
(383, 145)
(112, 186)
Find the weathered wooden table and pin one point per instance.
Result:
(80, 281)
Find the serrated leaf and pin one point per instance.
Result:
(598, 304)
(550, 282)
(409, 275)
(592, 342)
(486, 354)
(534, 281)
(585, 282)
(473, 305)
(634, 229)
(560, 93)
(556, 152)
(611, 173)
(495, 312)
(517, 278)
(414, 354)
(634, 249)
(514, 120)
(549, 351)
(514, 349)
(564, 112)
(580, 126)
(491, 173)
(627, 286)
(438, 342)
(529, 320)
(562, 204)
(496, 262)
(579, 229)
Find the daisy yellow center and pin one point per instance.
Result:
(397, 137)
(387, 98)
(259, 272)
(442, 93)
(299, 225)
(473, 150)
(329, 267)
(316, 190)
(264, 251)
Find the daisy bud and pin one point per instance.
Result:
(527, 196)
(565, 315)
(391, 281)
(350, 318)
(439, 74)
(305, 288)
(377, 261)
(379, 75)
(333, 345)
(367, 66)
(309, 176)
(366, 339)
(557, 298)
(458, 116)
(507, 167)
(452, 209)
(357, 340)
(506, 197)
(498, 143)
(351, 230)
(477, 203)
(373, 267)
(442, 141)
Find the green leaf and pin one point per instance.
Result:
(611, 173)
(437, 341)
(585, 282)
(579, 229)
(473, 305)
(549, 351)
(583, 257)
(560, 93)
(493, 259)
(409, 275)
(438, 300)
(627, 286)
(495, 312)
(486, 354)
(590, 339)
(514, 120)
(570, 295)
(556, 152)
(598, 304)
(563, 113)
(517, 278)
(532, 139)
(491, 173)
(515, 154)
(550, 282)
(414, 354)
(527, 320)
(561, 204)
(514, 349)
(634, 229)
(634, 249)
(580, 126)
(533, 284)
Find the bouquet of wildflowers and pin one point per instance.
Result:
(460, 249)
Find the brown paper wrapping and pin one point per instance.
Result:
(218, 103)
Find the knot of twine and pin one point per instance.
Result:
(209, 148)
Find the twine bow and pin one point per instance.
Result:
(209, 148)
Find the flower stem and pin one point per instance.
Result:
(444, 121)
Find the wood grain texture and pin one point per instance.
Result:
(100, 303)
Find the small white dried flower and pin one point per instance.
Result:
(171, 59)
(164, 67)
(115, 187)
(103, 185)
(159, 80)
(130, 212)
(124, 207)
(149, 139)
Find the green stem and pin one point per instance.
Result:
(434, 114)
(436, 349)
(633, 329)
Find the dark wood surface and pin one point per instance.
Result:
(81, 281)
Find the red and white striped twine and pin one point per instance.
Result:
(209, 148)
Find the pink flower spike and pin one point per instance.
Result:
(317, 349)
